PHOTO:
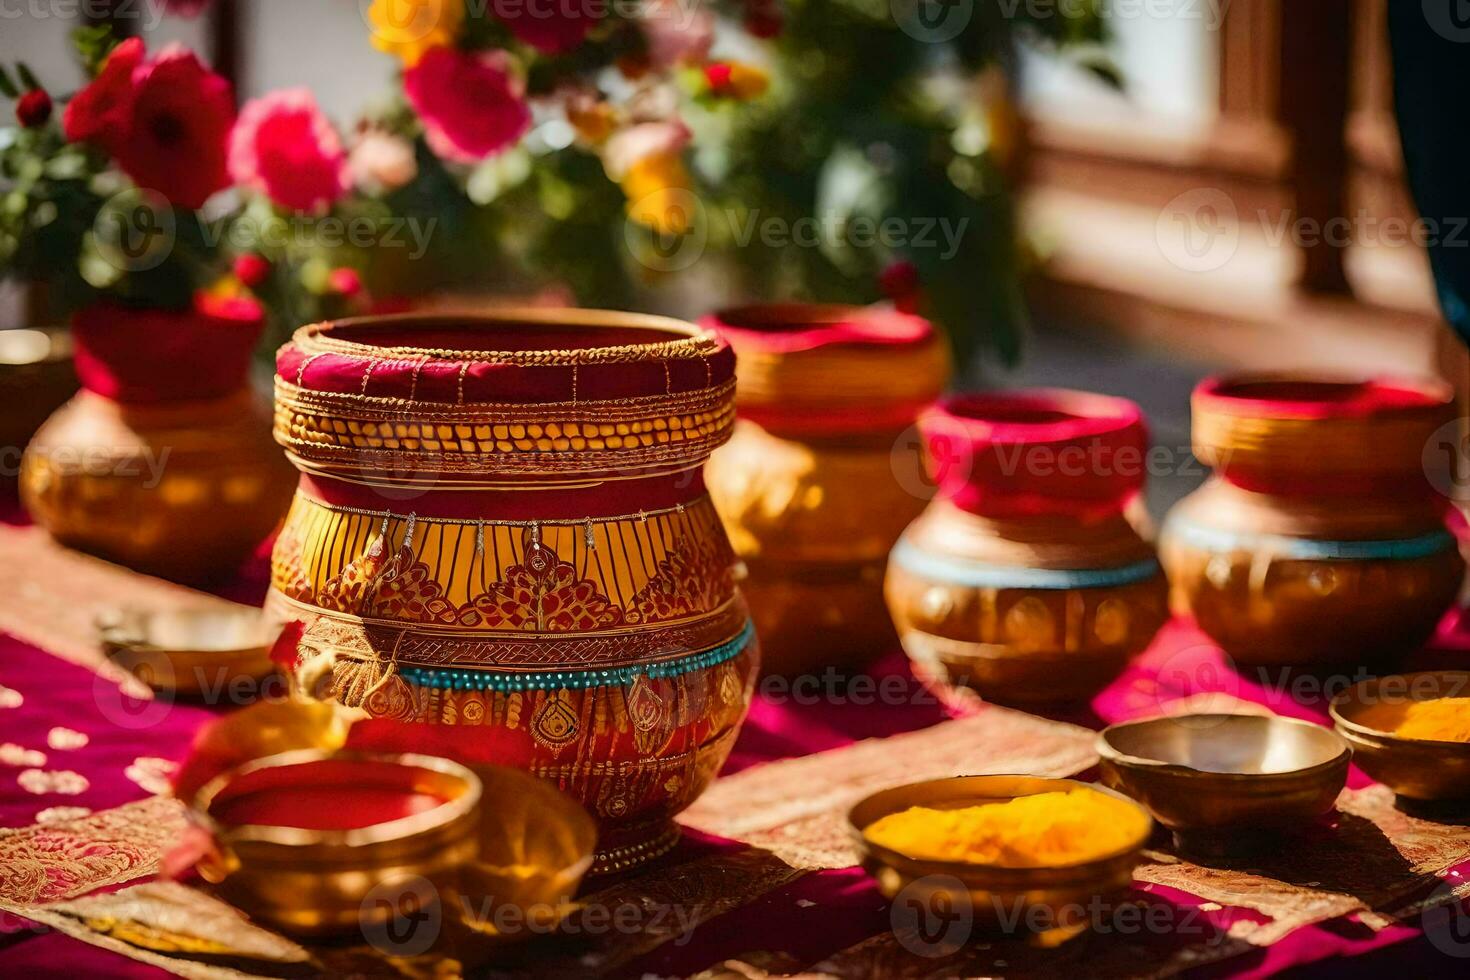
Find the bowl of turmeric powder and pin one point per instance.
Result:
(1411, 732)
(1016, 853)
(1226, 783)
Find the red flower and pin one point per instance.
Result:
(899, 281)
(470, 103)
(103, 110)
(252, 269)
(345, 281)
(182, 116)
(34, 108)
(286, 149)
(165, 121)
(549, 26)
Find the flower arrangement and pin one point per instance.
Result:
(606, 147)
(101, 198)
(597, 149)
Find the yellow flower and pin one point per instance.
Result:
(736, 80)
(659, 193)
(409, 28)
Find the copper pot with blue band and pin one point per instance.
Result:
(1024, 579)
(1319, 540)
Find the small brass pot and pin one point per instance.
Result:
(1224, 783)
(1419, 769)
(1319, 540)
(1001, 900)
(206, 652)
(311, 882)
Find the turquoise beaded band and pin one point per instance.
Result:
(957, 571)
(1308, 549)
(443, 679)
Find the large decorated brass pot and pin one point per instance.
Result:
(1319, 539)
(502, 549)
(164, 461)
(814, 486)
(1024, 580)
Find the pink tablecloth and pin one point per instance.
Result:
(813, 917)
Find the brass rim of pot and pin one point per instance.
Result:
(448, 774)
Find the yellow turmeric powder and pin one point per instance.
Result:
(1440, 720)
(1044, 830)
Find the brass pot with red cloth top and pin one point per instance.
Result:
(1024, 580)
(814, 486)
(503, 550)
(1319, 539)
(164, 461)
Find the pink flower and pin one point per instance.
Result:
(345, 281)
(285, 148)
(672, 39)
(175, 140)
(471, 104)
(549, 26)
(252, 269)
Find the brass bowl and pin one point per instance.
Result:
(1000, 899)
(1419, 769)
(536, 845)
(1224, 783)
(312, 882)
(203, 652)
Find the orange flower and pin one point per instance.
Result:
(736, 80)
(408, 29)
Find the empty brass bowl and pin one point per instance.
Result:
(1419, 769)
(314, 879)
(536, 845)
(1000, 899)
(1225, 783)
(204, 652)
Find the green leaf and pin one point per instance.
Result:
(27, 77)
(7, 86)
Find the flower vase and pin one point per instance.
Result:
(502, 550)
(815, 486)
(163, 462)
(1319, 539)
(1024, 580)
